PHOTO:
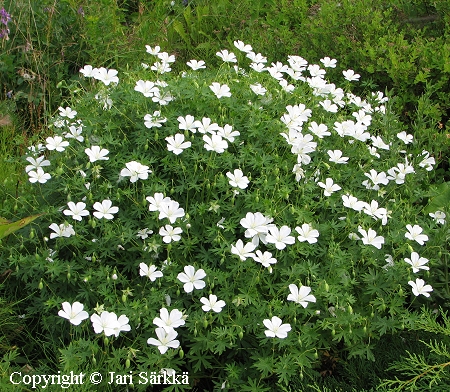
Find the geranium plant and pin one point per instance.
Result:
(260, 210)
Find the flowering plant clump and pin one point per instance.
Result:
(239, 220)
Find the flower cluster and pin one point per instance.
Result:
(236, 204)
(106, 322)
(5, 17)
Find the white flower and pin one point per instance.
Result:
(265, 258)
(426, 163)
(377, 178)
(166, 340)
(258, 67)
(153, 51)
(350, 75)
(215, 143)
(301, 295)
(88, 71)
(227, 133)
(336, 156)
(191, 278)
(299, 172)
(405, 138)
(170, 233)
(75, 133)
(195, 65)
(329, 187)
(212, 304)
(286, 87)
(77, 211)
(146, 87)
(122, 325)
(329, 106)
(375, 212)
(135, 171)
(243, 251)
(205, 126)
(280, 237)
(171, 210)
(154, 120)
(370, 238)
(56, 143)
(176, 143)
(166, 58)
(150, 271)
(256, 58)
(169, 321)
(258, 89)
(63, 230)
(319, 130)
(105, 209)
(438, 216)
(220, 90)
(74, 313)
(144, 233)
(329, 63)
(106, 76)
(417, 262)
(238, 179)
(243, 47)
(161, 67)
(226, 56)
(419, 287)
(95, 153)
(67, 112)
(379, 143)
(276, 328)
(353, 203)
(157, 201)
(187, 123)
(38, 176)
(255, 223)
(414, 234)
(307, 233)
(107, 322)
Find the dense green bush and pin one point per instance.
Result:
(132, 211)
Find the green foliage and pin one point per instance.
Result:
(7, 227)
(358, 298)
(431, 371)
(41, 51)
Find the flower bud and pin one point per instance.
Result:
(41, 285)
(127, 363)
(32, 232)
(241, 334)
(181, 353)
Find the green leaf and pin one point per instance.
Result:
(7, 227)
(439, 198)
(179, 28)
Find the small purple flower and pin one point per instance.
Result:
(80, 11)
(4, 17)
(4, 33)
